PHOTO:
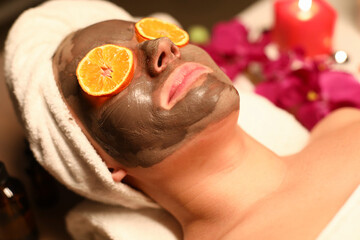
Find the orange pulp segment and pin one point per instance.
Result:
(105, 70)
(152, 28)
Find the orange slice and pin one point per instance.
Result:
(152, 28)
(105, 70)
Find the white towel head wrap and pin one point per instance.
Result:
(56, 140)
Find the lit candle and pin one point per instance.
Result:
(308, 24)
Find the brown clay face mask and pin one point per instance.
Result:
(144, 124)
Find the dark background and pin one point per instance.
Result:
(187, 12)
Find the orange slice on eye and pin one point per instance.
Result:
(152, 28)
(105, 70)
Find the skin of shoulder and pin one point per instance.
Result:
(334, 147)
(341, 118)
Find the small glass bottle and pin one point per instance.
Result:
(16, 219)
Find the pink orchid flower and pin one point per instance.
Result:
(231, 49)
(311, 93)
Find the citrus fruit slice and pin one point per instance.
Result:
(105, 70)
(152, 28)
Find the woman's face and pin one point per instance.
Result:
(174, 94)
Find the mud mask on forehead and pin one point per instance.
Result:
(135, 130)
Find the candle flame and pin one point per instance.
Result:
(305, 5)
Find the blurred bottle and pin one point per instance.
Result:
(16, 219)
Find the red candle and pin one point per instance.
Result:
(306, 24)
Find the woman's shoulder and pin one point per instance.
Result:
(336, 140)
(334, 149)
(338, 120)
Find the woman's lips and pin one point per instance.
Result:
(180, 82)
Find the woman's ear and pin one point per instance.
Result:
(117, 174)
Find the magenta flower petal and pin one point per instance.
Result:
(340, 88)
(227, 36)
(311, 113)
(264, 39)
(293, 93)
(277, 69)
(231, 69)
(269, 90)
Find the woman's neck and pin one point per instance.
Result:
(221, 184)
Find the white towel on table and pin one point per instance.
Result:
(94, 220)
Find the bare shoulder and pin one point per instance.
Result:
(337, 120)
(334, 147)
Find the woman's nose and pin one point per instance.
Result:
(160, 52)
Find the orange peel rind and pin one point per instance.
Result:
(105, 70)
(153, 28)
